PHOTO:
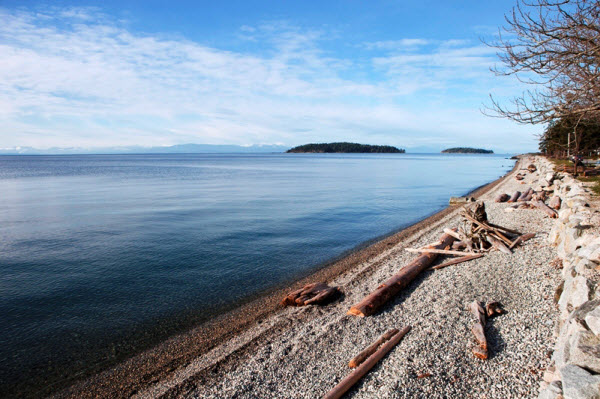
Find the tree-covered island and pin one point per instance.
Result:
(346, 148)
(467, 150)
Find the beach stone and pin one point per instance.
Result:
(574, 323)
(552, 391)
(592, 319)
(581, 291)
(587, 251)
(550, 176)
(584, 350)
(576, 190)
(579, 384)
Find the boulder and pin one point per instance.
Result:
(584, 350)
(592, 319)
(552, 391)
(579, 384)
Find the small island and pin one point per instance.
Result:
(346, 148)
(467, 150)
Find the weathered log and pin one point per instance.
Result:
(555, 202)
(539, 196)
(499, 245)
(502, 198)
(310, 294)
(457, 261)
(438, 251)
(352, 378)
(515, 197)
(369, 350)
(392, 286)
(478, 330)
(525, 194)
(521, 239)
(528, 196)
(549, 211)
(479, 334)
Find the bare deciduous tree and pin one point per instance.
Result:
(554, 46)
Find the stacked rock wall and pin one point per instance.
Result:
(575, 372)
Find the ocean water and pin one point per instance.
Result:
(103, 255)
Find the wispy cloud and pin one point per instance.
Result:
(73, 77)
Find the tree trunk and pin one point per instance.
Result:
(391, 287)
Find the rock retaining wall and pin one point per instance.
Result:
(575, 370)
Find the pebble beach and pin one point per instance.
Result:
(303, 352)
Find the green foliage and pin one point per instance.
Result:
(586, 141)
(467, 150)
(346, 148)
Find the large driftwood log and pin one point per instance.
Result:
(314, 293)
(352, 378)
(369, 350)
(515, 197)
(502, 198)
(549, 211)
(526, 195)
(555, 202)
(392, 286)
(478, 330)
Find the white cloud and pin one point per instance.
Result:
(71, 77)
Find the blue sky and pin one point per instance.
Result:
(404, 73)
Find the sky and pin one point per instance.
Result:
(122, 73)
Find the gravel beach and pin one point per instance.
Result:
(303, 352)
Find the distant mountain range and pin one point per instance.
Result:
(174, 149)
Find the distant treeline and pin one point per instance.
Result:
(346, 148)
(467, 150)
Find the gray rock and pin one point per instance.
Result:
(584, 350)
(592, 319)
(579, 384)
(552, 391)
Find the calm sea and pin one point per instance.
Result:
(102, 255)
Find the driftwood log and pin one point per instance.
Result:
(478, 330)
(369, 350)
(392, 286)
(555, 202)
(526, 196)
(515, 197)
(352, 378)
(549, 211)
(522, 238)
(314, 293)
(457, 261)
(502, 198)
